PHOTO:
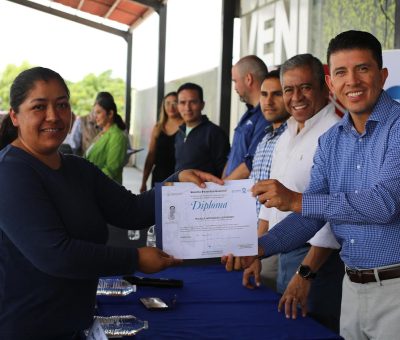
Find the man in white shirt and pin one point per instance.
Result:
(306, 99)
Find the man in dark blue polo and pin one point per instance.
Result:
(247, 75)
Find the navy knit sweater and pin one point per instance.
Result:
(53, 230)
(206, 148)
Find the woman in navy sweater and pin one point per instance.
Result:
(54, 211)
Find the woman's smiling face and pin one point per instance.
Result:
(44, 117)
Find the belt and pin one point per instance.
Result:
(365, 276)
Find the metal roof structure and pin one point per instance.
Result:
(120, 17)
(126, 12)
(104, 14)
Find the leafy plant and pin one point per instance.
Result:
(83, 93)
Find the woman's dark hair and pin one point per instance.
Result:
(106, 101)
(19, 90)
(8, 132)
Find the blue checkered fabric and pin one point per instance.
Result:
(263, 157)
(355, 185)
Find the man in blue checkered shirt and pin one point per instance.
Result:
(355, 185)
(274, 111)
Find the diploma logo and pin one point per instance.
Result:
(204, 205)
(240, 190)
(171, 214)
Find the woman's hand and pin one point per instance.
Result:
(198, 177)
(152, 260)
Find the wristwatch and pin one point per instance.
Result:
(305, 272)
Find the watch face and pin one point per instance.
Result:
(305, 271)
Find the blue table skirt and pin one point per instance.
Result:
(213, 304)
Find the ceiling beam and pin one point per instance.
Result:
(124, 34)
(80, 5)
(154, 4)
(112, 8)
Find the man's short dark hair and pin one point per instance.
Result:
(192, 86)
(274, 74)
(351, 40)
(305, 60)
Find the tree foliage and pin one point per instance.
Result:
(6, 79)
(335, 16)
(83, 93)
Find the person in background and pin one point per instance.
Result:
(274, 111)
(160, 160)
(84, 131)
(199, 143)
(53, 220)
(247, 75)
(108, 150)
(66, 147)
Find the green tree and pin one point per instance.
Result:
(6, 78)
(83, 93)
(335, 16)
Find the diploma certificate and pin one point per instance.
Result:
(204, 223)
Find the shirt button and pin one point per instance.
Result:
(360, 140)
(358, 167)
(356, 191)
(352, 241)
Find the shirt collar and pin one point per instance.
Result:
(280, 129)
(309, 123)
(252, 109)
(204, 119)
(380, 113)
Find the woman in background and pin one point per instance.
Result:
(109, 148)
(161, 153)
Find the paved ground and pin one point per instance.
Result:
(132, 178)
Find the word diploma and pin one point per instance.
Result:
(212, 222)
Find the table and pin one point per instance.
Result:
(212, 305)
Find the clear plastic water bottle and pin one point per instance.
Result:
(133, 235)
(151, 237)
